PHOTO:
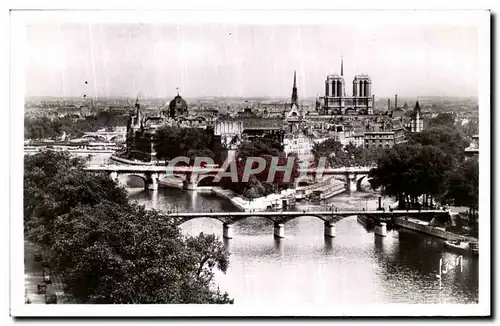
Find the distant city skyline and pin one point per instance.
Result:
(229, 60)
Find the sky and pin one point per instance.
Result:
(153, 60)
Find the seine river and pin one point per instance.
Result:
(355, 267)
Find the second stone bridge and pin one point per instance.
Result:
(280, 218)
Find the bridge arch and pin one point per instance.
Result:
(117, 138)
(187, 219)
(206, 180)
(95, 137)
(290, 218)
(131, 180)
(305, 180)
(359, 180)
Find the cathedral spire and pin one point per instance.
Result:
(295, 97)
(341, 65)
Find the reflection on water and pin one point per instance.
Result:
(355, 267)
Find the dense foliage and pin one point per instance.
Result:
(432, 166)
(260, 184)
(171, 142)
(462, 186)
(46, 128)
(108, 250)
(338, 155)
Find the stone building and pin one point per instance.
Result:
(473, 149)
(417, 123)
(178, 107)
(337, 102)
(294, 114)
(300, 144)
(384, 139)
(139, 138)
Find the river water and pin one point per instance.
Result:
(355, 267)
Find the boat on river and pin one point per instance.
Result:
(463, 247)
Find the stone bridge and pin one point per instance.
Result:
(107, 136)
(280, 218)
(352, 176)
(150, 174)
(193, 175)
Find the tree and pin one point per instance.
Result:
(258, 185)
(54, 182)
(108, 250)
(446, 138)
(471, 128)
(259, 147)
(167, 142)
(370, 155)
(443, 119)
(462, 186)
(338, 155)
(43, 127)
(332, 150)
(408, 171)
(171, 142)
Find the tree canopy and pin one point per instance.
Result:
(259, 185)
(171, 142)
(46, 128)
(108, 250)
(462, 188)
(447, 138)
(259, 147)
(338, 155)
(442, 119)
(431, 163)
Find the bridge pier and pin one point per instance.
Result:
(191, 181)
(330, 229)
(227, 231)
(381, 229)
(191, 186)
(152, 182)
(114, 176)
(351, 183)
(279, 230)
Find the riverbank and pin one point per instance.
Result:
(424, 227)
(258, 204)
(243, 204)
(135, 162)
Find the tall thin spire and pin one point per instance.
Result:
(295, 96)
(341, 65)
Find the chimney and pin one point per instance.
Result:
(388, 104)
(396, 102)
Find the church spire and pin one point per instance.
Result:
(294, 90)
(341, 65)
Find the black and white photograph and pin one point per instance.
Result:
(250, 163)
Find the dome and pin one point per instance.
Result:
(178, 107)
